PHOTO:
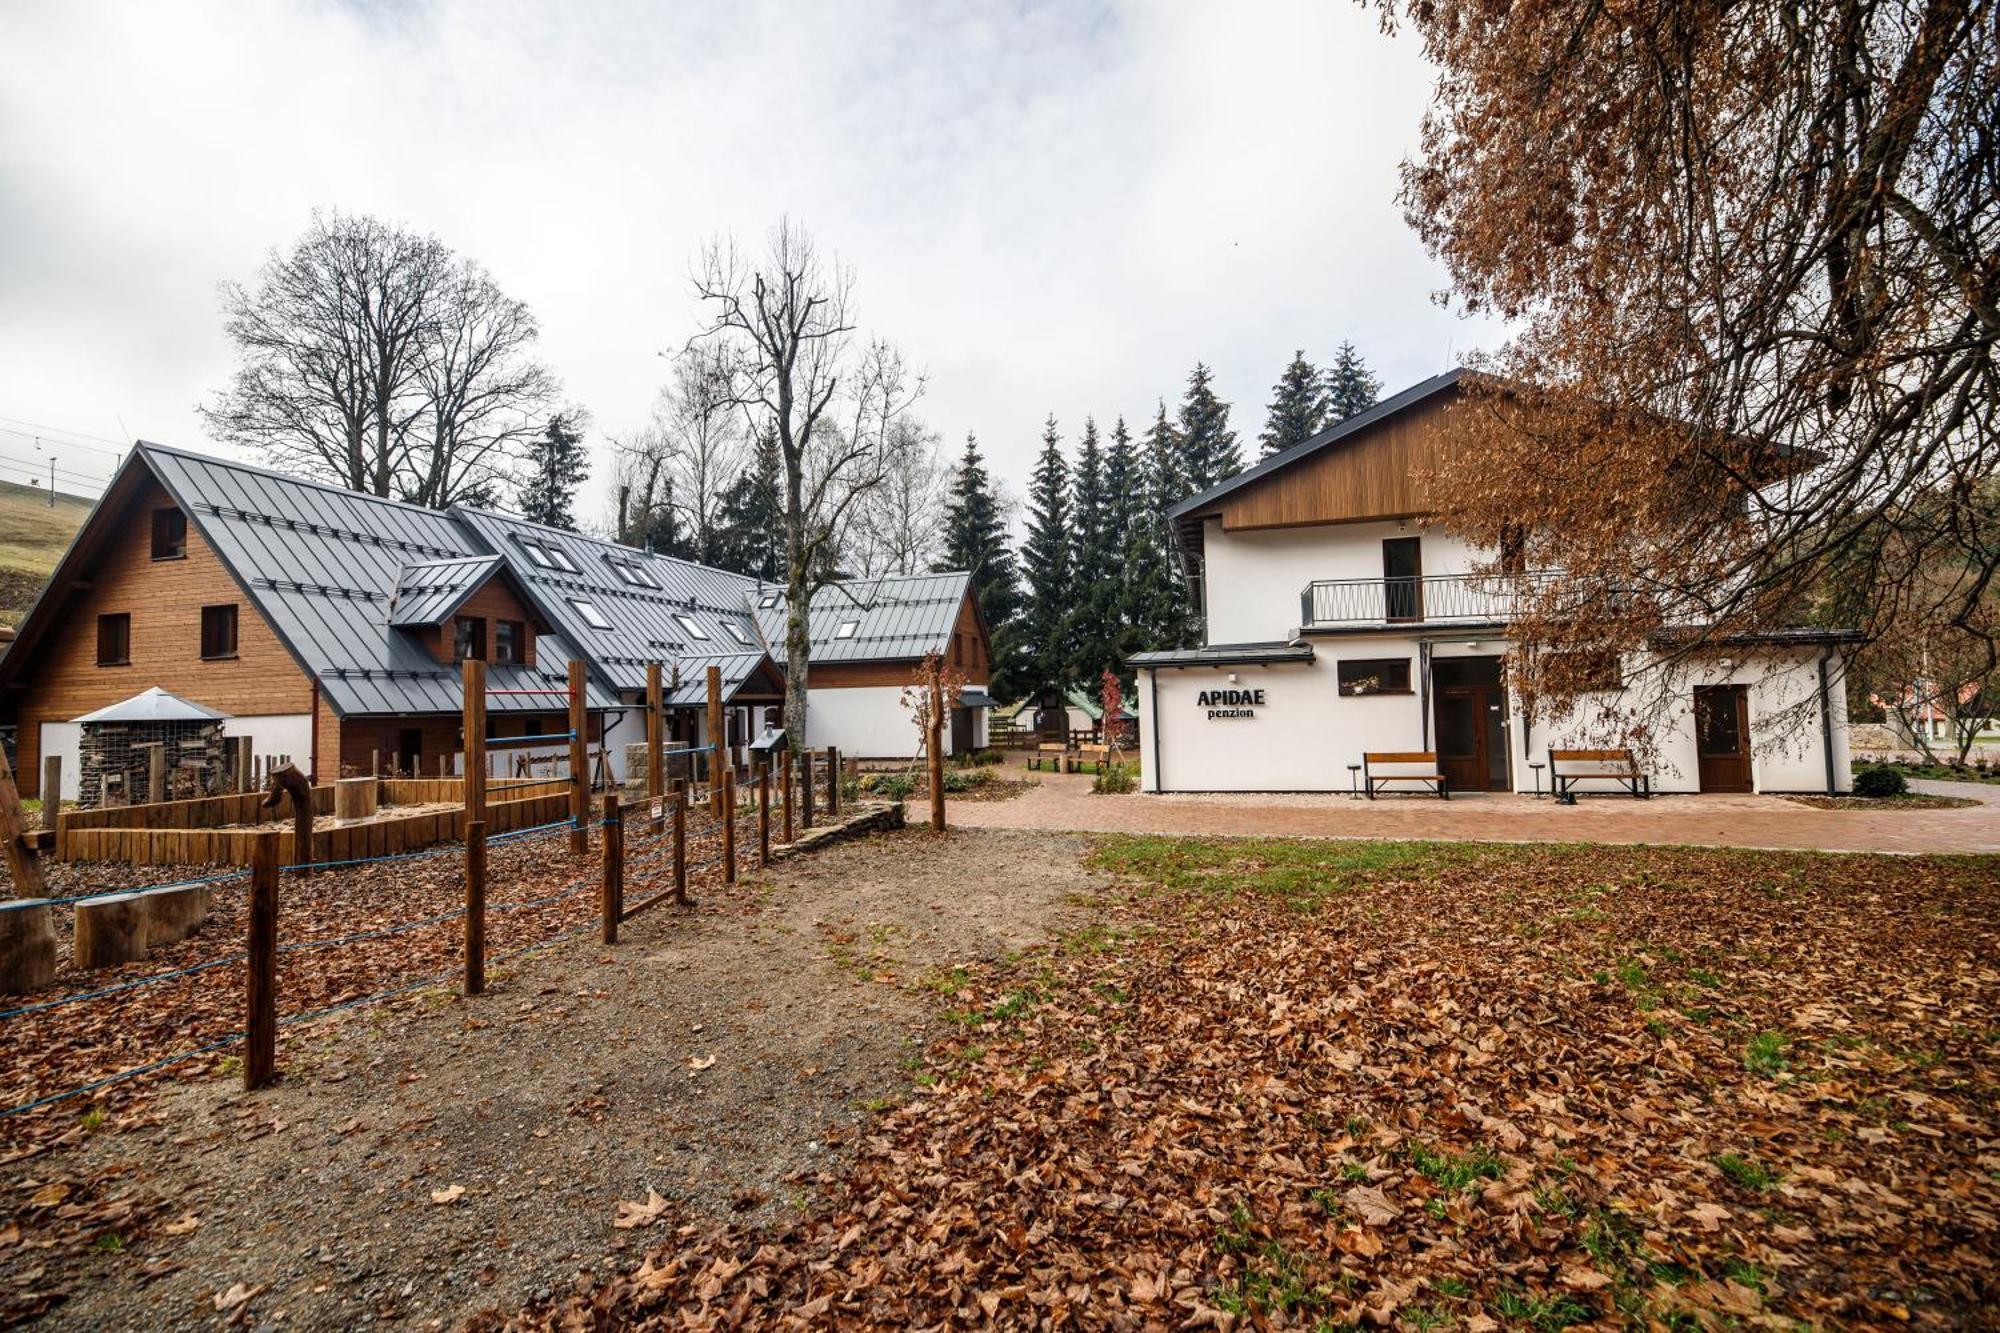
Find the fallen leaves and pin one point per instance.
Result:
(628, 1214)
(1419, 1086)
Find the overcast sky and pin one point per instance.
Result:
(1051, 208)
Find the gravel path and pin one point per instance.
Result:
(422, 1163)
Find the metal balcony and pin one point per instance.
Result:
(1462, 600)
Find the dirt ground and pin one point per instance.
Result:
(425, 1161)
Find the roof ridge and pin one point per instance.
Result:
(178, 451)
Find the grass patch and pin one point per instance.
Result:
(1298, 871)
(1764, 1054)
(1747, 1172)
(1455, 1171)
(1544, 1313)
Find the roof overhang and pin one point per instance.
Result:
(1225, 654)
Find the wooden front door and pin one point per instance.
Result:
(1470, 743)
(1722, 737)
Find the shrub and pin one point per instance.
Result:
(893, 786)
(988, 758)
(964, 780)
(1116, 780)
(1879, 781)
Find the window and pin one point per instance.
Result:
(218, 631)
(537, 553)
(767, 601)
(694, 630)
(560, 559)
(170, 534)
(1513, 550)
(1375, 675)
(114, 640)
(736, 632)
(510, 641)
(847, 628)
(631, 571)
(958, 650)
(592, 617)
(468, 639)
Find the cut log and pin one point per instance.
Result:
(27, 945)
(354, 798)
(172, 914)
(111, 930)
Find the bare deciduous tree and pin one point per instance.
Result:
(899, 529)
(783, 326)
(374, 358)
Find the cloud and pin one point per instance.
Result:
(1053, 208)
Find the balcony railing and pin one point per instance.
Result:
(1439, 599)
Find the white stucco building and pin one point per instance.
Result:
(1338, 622)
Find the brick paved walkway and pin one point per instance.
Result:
(1065, 802)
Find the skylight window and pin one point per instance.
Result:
(767, 601)
(631, 571)
(695, 631)
(537, 553)
(847, 628)
(561, 559)
(592, 617)
(736, 632)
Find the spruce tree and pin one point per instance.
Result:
(1046, 565)
(975, 540)
(1096, 562)
(750, 519)
(1298, 406)
(1109, 596)
(1350, 386)
(1122, 478)
(556, 465)
(1155, 608)
(1208, 446)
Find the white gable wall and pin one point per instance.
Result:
(1253, 580)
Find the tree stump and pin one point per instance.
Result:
(111, 930)
(27, 945)
(173, 914)
(354, 799)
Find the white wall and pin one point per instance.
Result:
(865, 721)
(272, 734)
(1306, 733)
(1252, 580)
(62, 739)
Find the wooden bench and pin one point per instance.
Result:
(1429, 777)
(1099, 755)
(1055, 753)
(1617, 766)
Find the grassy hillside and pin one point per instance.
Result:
(32, 538)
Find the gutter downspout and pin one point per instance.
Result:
(312, 761)
(1424, 689)
(1153, 707)
(1826, 724)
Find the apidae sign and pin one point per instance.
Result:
(1230, 703)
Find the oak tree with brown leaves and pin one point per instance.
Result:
(1749, 256)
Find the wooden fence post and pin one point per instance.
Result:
(579, 762)
(729, 825)
(785, 783)
(156, 773)
(937, 746)
(680, 836)
(51, 791)
(475, 907)
(260, 1001)
(656, 725)
(833, 782)
(763, 813)
(611, 900)
(718, 736)
(473, 721)
(806, 788)
(22, 863)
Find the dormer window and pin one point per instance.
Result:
(847, 628)
(694, 629)
(592, 617)
(631, 571)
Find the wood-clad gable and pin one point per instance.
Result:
(1382, 472)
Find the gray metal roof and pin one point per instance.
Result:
(893, 617)
(1223, 654)
(430, 592)
(658, 609)
(153, 705)
(322, 565)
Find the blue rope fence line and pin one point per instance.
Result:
(144, 888)
(133, 984)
